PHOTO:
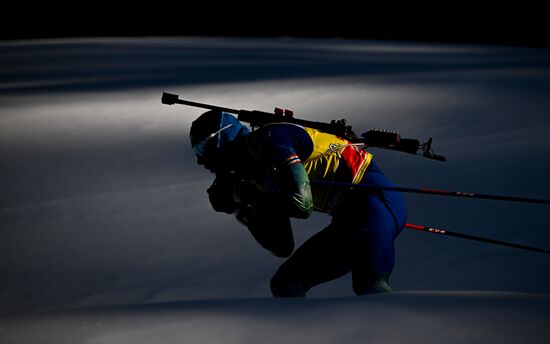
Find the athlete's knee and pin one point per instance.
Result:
(284, 286)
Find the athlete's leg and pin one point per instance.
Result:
(323, 257)
(374, 226)
(373, 248)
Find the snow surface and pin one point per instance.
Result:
(106, 234)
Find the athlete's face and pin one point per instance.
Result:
(207, 150)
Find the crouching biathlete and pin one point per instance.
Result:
(263, 177)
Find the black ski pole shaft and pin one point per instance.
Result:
(472, 237)
(435, 192)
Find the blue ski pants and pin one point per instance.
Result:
(359, 239)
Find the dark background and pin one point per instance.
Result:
(452, 23)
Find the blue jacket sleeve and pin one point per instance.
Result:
(281, 146)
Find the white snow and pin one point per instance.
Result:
(106, 234)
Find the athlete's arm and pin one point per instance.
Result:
(295, 188)
(279, 148)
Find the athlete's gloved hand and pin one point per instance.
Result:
(222, 193)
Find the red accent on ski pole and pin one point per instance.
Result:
(417, 227)
(435, 191)
(425, 229)
(472, 237)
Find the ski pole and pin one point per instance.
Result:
(472, 237)
(435, 192)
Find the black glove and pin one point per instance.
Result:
(222, 193)
(259, 211)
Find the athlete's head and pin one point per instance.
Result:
(210, 134)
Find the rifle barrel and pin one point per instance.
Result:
(170, 99)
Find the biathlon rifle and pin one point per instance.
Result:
(372, 138)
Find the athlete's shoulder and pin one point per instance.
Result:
(280, 140)
(283, 127)
(277, 133)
